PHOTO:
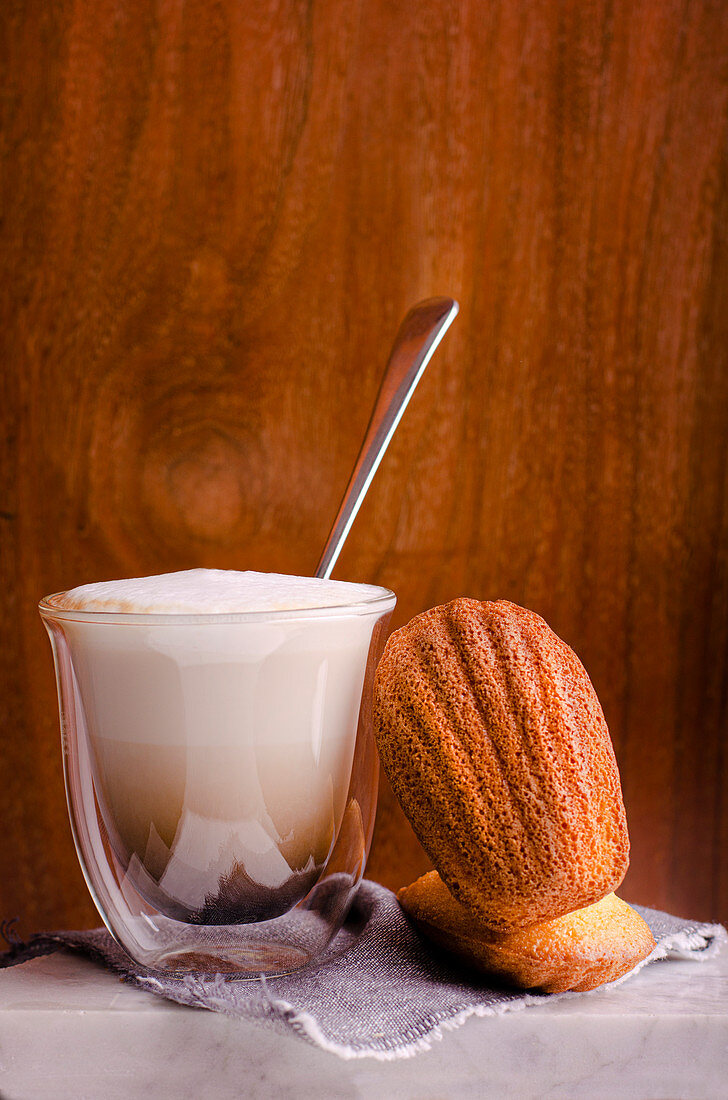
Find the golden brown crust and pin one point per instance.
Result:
(578, 951)
(495, 744)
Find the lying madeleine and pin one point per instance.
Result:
(578, 951)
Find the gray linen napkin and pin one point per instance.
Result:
(380, 991)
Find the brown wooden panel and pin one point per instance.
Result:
(215, 214)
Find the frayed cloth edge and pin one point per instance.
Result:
(307, 1027)
(698, 944)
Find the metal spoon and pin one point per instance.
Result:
(419, 334)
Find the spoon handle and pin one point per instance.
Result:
(419, 334)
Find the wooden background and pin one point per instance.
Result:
(215, 214)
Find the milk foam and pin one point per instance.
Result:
(210, 591)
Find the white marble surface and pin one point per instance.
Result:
(69, 1030)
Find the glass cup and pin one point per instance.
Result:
(221, 777)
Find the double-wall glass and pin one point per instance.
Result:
(221, 777)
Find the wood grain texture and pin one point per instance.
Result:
(215, 215)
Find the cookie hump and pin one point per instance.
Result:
(579, 951)
(495, 744)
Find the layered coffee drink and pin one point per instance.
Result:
(220, 712)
